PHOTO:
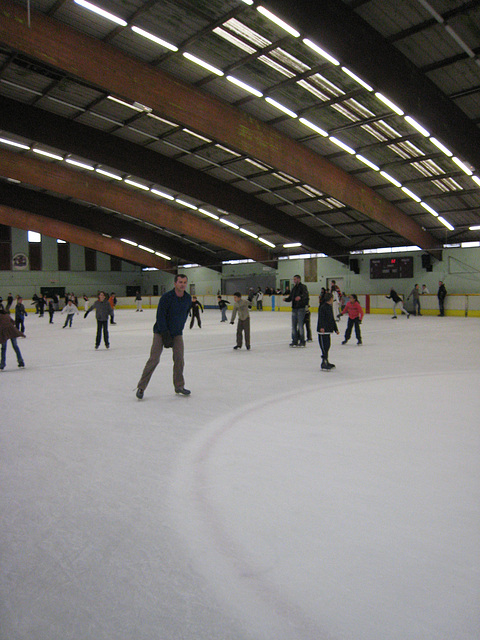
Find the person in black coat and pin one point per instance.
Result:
(195, 312)
(397, 301)
(325, 327)
(441, 295)
(299, 298)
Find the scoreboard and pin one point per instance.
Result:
(391, 268)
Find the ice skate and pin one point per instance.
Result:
(182, 391)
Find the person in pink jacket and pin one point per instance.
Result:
(355, 315)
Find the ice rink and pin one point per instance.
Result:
(277, 502)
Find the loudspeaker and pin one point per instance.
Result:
(427, 262)
(354, 265)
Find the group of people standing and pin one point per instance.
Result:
(415, 294)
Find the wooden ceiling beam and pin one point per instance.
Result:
(102, 65)
(76, 235)
(87, 188)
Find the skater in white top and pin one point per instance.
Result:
(70, 309)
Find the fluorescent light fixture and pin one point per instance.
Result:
(140, 246)
(228, 223)
(389, 103)
(60, 241)
(134, 244)
(269, 244)
(390, 178)
(466, 245)
(245, 86)
(357, 79)
(209, 214)
(250, 2)
(462, 166)
(196, 135)
(19, 145)
(291, 245)
(186, 204)
(138, 185)
(34, 236)
(476, 179)
(150, 36)
(278, 21)
(417, 126)
(105, 235)
(367, 162)
(149, 269)
(442, 147)
(162, 255)
(410, 194)
(124, 104)
(203, 64)
(152, 115)
(47, 154)
(279, 106)
(341, 144)
(82, 165)
(249, 233)
(162, 194)
(314, 127)
(234, 153)
(321, 51)
(445, 223)
(237, 261)
(429, 209)
(108, 174)
(101, 12)
(193, 264)
(475, 228)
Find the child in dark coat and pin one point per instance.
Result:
(325, 327)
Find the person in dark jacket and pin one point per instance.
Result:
(8, 331)
(20, 314)
(9, 302)
(222, 305)
(172, 313)
(441, 295)
(102, 311)
(397, 301)
(326, 325)
(195, 312)
(51, 310)
(299, 298)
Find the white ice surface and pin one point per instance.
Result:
(277, 502)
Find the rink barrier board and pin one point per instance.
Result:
(460, 305)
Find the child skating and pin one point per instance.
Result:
(70, 309)
(355, 316)
(102, 311)
(325, 327)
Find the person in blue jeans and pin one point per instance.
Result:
(8, 331)
(299, 297)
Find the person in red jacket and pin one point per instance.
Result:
(355, 315)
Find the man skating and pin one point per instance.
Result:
(243, 325)
(172, 313)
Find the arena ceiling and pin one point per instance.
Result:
(215, 130)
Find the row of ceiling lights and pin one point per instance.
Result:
(143, 187)
(418, 127)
